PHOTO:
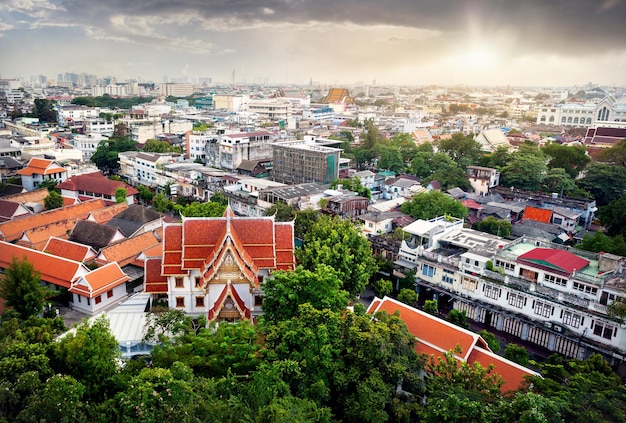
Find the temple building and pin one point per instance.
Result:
(215, 266)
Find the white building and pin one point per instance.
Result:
(536, 292)
(99, 126)
(87, 144)
(228, 151)
(482, 179)
(609, 109)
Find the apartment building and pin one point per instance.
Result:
(99, 126)
(482, 179)
(538, 292)
(227, 150)
(300, 161)
(273, 110)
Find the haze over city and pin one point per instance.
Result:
(444, 42)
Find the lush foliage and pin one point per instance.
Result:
(20, 288)
(281, 211)
(106, 155)
(54, 200)
(500, 227)
(109, 102)
(340, 245)
(431, 204)
(196, 209)
(156, 146)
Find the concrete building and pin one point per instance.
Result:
(609, 109)
(228, 150)
(482, 179)
(296, 162)
(537, 292)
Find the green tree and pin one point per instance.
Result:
(390, 159)
(613, 216)
(106, 155)
(21, 289)
(497, 159)
(162, 204)
(44, 110)
(616, 154)
(282, 211)
(572, 159)
(196, 209)
(526, 169)
(557, 180)
(219, 197)
(431, 307)
(408, 296)
(60, 400)
(156, 146)
(304, 222)
(428, 205)
(91, 356)
(492, 341)
(464, 150)
(120, 195)
(491, 225)
(604, 182)
(352, 184)
(145, 193)
(340, 245)
(458, 318)
(286, 291)
(54, 200)
(49, 184)
(600, 242)
(382, 287)
(516, 353)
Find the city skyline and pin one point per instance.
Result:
(444, 42)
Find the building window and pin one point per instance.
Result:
(180, 282)
(448, 276)
(604, 330)
(198, 281)
(428, 270)
(572, 319)
(505, 265)
(491, 291)
(109, 293)
(543, 309)
(516, 300)
(180, 301)
(555, 280)
(469, 284)
(199, 301)
(98, 299)
(591, 290)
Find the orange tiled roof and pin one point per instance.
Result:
(99, 281)
(38, 237)
(34, 196)
(537, 214)
(126, 251)
(107, 213)
(56, 270)
(435, 336)
(69, 249)
(37, 166)
(12, 230)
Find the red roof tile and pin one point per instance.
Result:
(38, 237)
(69, 250)
(37, 166)
(537, 214)
(96, 183)
(154, 282)
(126, 251)
(107, 213)
(559, 260)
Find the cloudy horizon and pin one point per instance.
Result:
(400, 42)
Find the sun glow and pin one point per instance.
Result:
(480, 57)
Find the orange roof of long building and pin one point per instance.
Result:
(107, 213)
(69, 249)
(13, 229)
(537, 214)
(436, 336)
(38, 236)
(125, 252)
(56, 270)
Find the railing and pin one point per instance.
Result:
(493, 275)
(518, 283)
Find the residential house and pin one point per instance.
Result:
(347, 206)
(95, 185)
(260, 168)
(401, 186)
(482, 179)
(99, 289)
(379, 222)
(214, 266)
(39, 170)
(9, 168)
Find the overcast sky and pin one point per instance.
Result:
(414, 42)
